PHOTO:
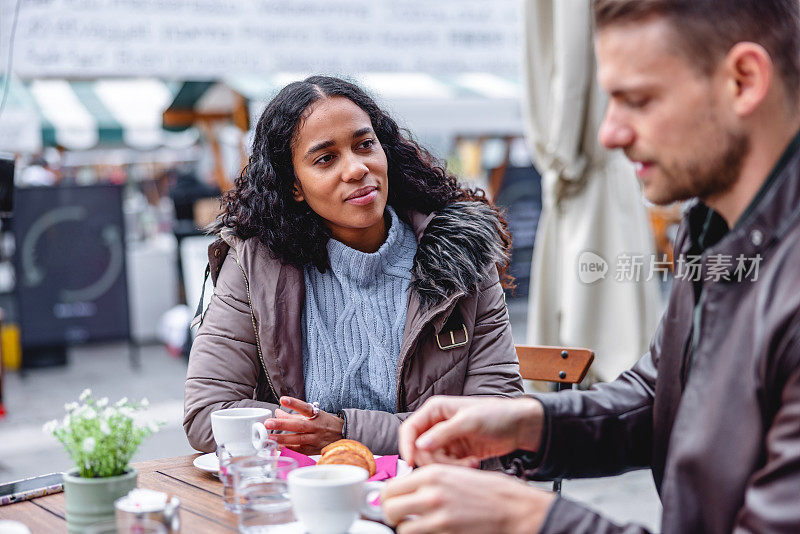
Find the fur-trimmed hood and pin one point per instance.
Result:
(456, 247)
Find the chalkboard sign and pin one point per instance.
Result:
(521, 196)
(70, 265)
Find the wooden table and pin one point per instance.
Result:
(200, 494)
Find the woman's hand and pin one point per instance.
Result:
(308, 435)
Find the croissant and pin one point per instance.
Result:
(348, 452)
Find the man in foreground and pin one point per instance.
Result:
(704, 100)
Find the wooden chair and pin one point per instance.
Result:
(563, 365)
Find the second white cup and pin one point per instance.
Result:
(327, 499)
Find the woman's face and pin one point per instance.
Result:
(341, 170)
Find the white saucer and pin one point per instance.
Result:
(359, 527)
(210, 463)
(207, 462)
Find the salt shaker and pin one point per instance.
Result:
(142, 504)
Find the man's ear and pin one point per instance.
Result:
(297, 193)
(750, 71)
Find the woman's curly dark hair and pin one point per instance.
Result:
(262, 205)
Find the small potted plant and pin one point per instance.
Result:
(101, 439)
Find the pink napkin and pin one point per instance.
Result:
(385, 466)
(301, 459)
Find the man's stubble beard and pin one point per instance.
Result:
(704, 179)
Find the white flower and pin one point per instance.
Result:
(50, 426)
(104, 428)
(145, 403)
(88, 445)
(88, 424)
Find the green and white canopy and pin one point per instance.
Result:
(468, 104)
(19, 121)
(80, 115)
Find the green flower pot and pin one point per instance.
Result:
(91, 500)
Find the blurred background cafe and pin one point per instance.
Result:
(123, 121)
(121, 124)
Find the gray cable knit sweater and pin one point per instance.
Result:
(353, 322)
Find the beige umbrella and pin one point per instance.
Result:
(592, 208)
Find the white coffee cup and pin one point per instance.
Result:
(327, 499)
(234, 425)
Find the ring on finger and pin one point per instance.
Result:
(314, 410)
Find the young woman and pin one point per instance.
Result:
(354, 278)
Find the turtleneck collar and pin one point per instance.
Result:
(362, 268)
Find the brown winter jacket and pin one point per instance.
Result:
(457, 338)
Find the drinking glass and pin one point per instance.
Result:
(233, 452)
(260, 486)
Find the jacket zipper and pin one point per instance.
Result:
(255, 330)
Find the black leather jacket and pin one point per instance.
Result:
(716, 413)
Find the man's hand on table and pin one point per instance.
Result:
(308, 436)
(465, 430)
(444, 499)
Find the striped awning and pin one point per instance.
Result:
(19, 123)
(468, 104)
(80, 115)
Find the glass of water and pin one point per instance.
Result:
(233, 452)
(260, 486)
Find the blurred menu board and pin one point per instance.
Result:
(70, 264)
(221, 38)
